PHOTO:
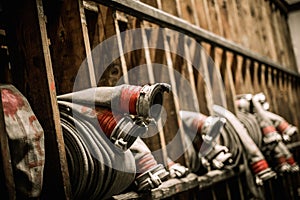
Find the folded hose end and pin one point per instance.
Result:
(210, 131)
(286, 128)
(150, 95)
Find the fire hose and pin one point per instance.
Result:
(97, 139)
(266, 121)
(204, 130)
(95, 177)
(135, 100)
(252, 154)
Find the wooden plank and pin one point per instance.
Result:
(161, 134)
(207, 15)
(187, 11)
(272, 91)
(238, 77)
(106, 29)
(168, 6)
(280, 47)
(235, 26)
(247, 76)
(87, 45)
(226, 67)
(151, 14)
(256, 77)
(121, 52)
(67, 46)
(9, 191)
(293, 101)
(226, 20)
(33, 68)
(199, 9)
(287, 40)
(175, 96)
(264, 82)
(267, 31)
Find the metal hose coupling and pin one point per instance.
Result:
(270, 135)
(177, 170)
(245, 104)
(122, 131)
(219, 156)
(293, 164)
(282, 126)
(206, 127)
(152, 178)
(150, 95)
(262, 171)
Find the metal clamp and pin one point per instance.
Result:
(151, 178)
(271, 138)
(264, 176)
(178, 171)
(126, 131)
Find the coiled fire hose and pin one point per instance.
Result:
(271, 141)
(96, 166)
(245, 104)
(272, 138)
(97, 138)
(204, 130)
(257, 162)
(135, 100)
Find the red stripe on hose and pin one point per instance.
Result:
(259, 166)
(129, 97)
(198, 123)
(290, 160)
(145, 163)
(107, 121)
(282, 126)
(269, 129)
(171, 163)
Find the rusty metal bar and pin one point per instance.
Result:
(146, 12)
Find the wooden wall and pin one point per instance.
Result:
(58, 36)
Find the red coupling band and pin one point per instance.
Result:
(281, 160)
(129, 97)
(282, 126)
(290, 160)
(259, 166)
(268, 129)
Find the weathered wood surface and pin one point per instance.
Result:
(32, 74)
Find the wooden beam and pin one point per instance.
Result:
(157, 16)
(32, 74)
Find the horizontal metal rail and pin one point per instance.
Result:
(149, 13)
